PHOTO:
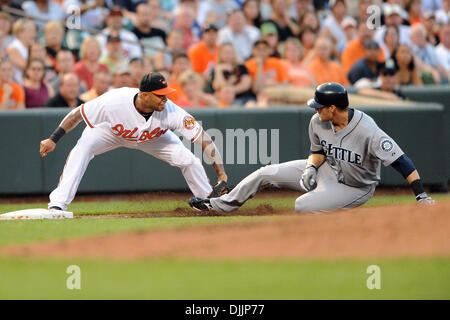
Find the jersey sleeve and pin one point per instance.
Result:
(384, 148)
(93, 112)
(186, 124)
(314, 138)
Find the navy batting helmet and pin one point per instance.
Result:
(327, 94)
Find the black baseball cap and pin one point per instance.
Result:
(210, 27)
(112, 38)
(155, 82)
(388, 68)
(371, 44)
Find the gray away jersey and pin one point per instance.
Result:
(355, 152)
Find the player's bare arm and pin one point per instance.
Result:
(67, 124)
(210, 149)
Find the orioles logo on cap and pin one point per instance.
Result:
(164, 82)
(189, 122)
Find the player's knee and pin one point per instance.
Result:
(303, 205)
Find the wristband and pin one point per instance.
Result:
(417, 187)
(57, 134)
(311, 165)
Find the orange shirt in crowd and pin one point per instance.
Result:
(273, 69)
(327, 72)
(17, 95)
(201, 57)
(174, 96)
(298, 75)
(354, 51)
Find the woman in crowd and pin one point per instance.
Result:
(89, 64)
(404, 61)
(194, 97)
(18, 51)
(37, 51)
(228, 71)
(308, 38)
(252, 13)
(390, 41)
(54, 36)
(37, 91)
(298, 74)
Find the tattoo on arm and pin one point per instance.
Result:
(71, 120)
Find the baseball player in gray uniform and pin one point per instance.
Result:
(343, 168)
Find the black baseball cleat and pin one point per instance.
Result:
(200, 204)
(55, 208)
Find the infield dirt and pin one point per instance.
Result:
(382, 232)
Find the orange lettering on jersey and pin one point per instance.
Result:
(129, 135)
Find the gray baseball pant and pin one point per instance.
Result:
(328, 195)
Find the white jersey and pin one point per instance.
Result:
(115, 111)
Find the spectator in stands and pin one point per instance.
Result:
(280, 17)
(309, 19)
(89, 63)
(204, 54)
(5, 37)
(64, 64)
(184, 19)
(298, 74)
(37, 91)
(92, 12)
(387, 89)
(114, 57)
(390, 41)
(332, 24)
(181, 63)
(18, 51)
(265, 70)
(44, 10)
(37, 50)
(137, 71)
(160, 18)
(239, 34)
(348, 26)
(217, 8)
(69, 89)
(193, 95)
(122, 77)
(413, 7)
(12, 96)
(152, 38)
(393, 17)
(164, 58)
(426, 52)
(269, 33)
(226, 96)
(442, 14)
(301, 8)
(252, 14)
(54, 36)
(131, 46)
(102, 83)
(429, 22)
(443, 49)
(355, 49)
(367, 67)
(229, 72)
(404, 62)
(323, 68)
(308, 39)
(362, 13)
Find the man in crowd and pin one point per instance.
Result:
(69, 89)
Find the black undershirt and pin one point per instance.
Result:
(145, 115)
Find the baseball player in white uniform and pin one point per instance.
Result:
(343, 169)
(138, 119)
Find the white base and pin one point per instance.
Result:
(36, 214)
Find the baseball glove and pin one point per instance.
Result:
(220, 189)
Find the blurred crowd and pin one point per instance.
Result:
(221, 53)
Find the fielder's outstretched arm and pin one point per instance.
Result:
(67, 124)
(210, 149)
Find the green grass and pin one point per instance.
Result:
(128, 207)
(178, 279)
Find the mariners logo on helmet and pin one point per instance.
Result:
(329, 93)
